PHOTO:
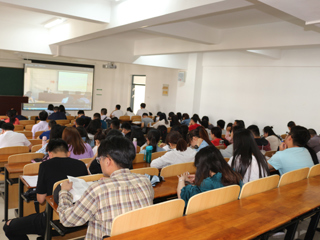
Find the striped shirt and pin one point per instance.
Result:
(104, 200)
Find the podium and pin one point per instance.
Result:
(8, 102)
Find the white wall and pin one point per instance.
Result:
(260, 90)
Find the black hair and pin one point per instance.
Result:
(255, 130)
(57, 145)
(103, 111)
(150, 113)
(240, 123)
(115, 123)
(175, 121)
(56, 131)
(291, 124)
(62, 109)
(164, 116)
(163, 132)
(113, 132)
(43, 115)
(126, 126)
(199, 132)
(120, 149)
(155, 117)
(52, 123)
(184, 131)
(179, 115)
(118, 106)
(154, 137)
(196, 116)
(55, 108)
(80, 121)
(83, 133)
(97, 115)
(185, 116)
(139, 135)
(210, 159)
(312, 132)
(11, 115)
(175, 137)
(100, 135)
(170, 115)
(7, 126)
(216, 131)
(93, 126)
(50, 107)
(129, 109)
(143, 105)
(1, 123)
(244, 146)
(270, 132)
(221, 123)
(195, 119)
(145, 114)
(205, 123)
(80, 112)
(205, 118)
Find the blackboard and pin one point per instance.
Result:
(11, 81)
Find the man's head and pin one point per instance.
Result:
(80, 113)
(143, 105)
(115, 153)
(239, 123)
(118, 107)
(312, 132)
(56, 109)
(103, 111)
(7, 127)
(193, 120)
(126, 127)
(144, 115)
(58, 148)
(115, 124)
(221, 123)
(50, 107)
(52, 123)
(80, 122)
(255, 131)
(43, 115)
(290, 125)
(97, 116)
(298, 137)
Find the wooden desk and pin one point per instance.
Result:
(140, 165)
(247, 218)
(12, 171)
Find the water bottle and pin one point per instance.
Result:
(135, 143)
(147, 154)
(44, 140)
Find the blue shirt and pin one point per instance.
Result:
(103, 124)
(47, 134)
(291, 159)
(186, 122)
(202, 145)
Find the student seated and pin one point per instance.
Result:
(115, 123)
(153, 137)
(193, 124)
(294, 153)
(142, 110)
(162, 121)
(126, 129)
(239, 123)
(57, 115)
(57, 168)
(42, 125)
(47, 133)
(314, 141)
(216, 137)
(92, 129)
(221, 124)
(86, 119)
(180, 152)
(247, 159)
(129, 112)
(290, 125)
(145, 122)
(119, 192)
(138, 134)
(9, 138)
(272, 138)
(212, 172)
(228, 132)
(228, 152)
(55, 133)
(11, 114)
(104, 116)
(117, 112)
(262, 143)
(198, 138)
(98, 137)
(185, 119)
(77, 147)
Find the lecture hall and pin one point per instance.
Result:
(162, 74)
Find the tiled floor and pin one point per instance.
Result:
(299, 235)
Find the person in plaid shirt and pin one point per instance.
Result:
(118, 192)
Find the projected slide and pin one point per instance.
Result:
(57, 84)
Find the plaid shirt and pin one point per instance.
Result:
(105, 200)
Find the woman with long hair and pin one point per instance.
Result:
(180, 152)
(272, 138)
(138, 134)
(77, 147)
(212, 172)
(162, 121)
(92, 129)
(198, 138)
(247, 159)
(153, 138)
(175, 121)
(11, 114)
(98, 137)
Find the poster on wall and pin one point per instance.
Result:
(165, 90)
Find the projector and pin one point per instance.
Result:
(110, 65)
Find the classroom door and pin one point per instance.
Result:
(138, 91)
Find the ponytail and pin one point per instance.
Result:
(153, 136)
(204, 135)
(182, 145)
(313, 155)
(11, 116)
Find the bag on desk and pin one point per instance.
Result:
(30, 195)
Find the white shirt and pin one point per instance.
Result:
(12, 139)
(41, 126)
(174, 157)
(130, 114)
(274, 142)
(160, 123)
(142, 111)
(117, 113)
(252, 171)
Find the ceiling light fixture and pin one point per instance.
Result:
(53, 22)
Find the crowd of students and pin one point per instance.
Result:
(190, 139)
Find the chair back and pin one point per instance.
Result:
(40, 121)
(26, 122)
(37, 134)
(8, 151)
(168, 129)
(176, 169)
(3, 117)
(136, 118)
(293, 176)
(138, 158)
(28, 127)
(35, 141)
(147, 216)
(283, 136)
(270, 153)
(138, 149)
(35, 147)
(86, 160)
(314, 171)
(24, 157)
(69, 125)
(31, 168)
(147, 170)
(212, 198)
(221, 147)
(157, 155)
(28, 134)
(227, 159)
(259, 186)
(18, 128)
(70, 118)
(124, 118)
(33, 118)
(63, 121)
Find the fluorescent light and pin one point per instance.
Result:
(53, 22)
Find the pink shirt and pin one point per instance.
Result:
(16, 122)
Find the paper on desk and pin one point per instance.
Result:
(31, 180)
(79, 186)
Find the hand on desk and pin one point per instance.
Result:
(66, 185)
